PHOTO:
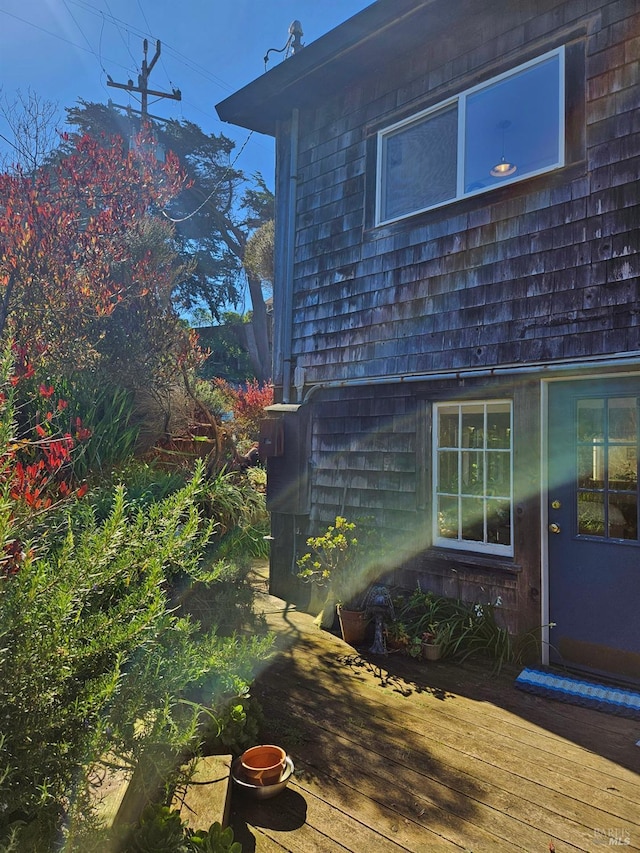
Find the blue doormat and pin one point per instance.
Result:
(602, 697)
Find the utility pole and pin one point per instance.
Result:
(143, 78)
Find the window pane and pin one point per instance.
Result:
(448, 517)
(499, 474)
(590, 514)
(472, 519)
(499, 522)
(623, 424)
(420, 164)
(515, 120)
(448, 472)
(590, 420)
(472, 427)
(623, 468)
(591, 467)
(623, 516)
(499, 426)
(472, 473)
(448, 428)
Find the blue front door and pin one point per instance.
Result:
(593, 535)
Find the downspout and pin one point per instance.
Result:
(290, 226)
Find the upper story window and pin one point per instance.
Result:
(506, 129)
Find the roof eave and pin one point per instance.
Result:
(294, 83)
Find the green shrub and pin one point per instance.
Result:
(242, 517)
(144, 483)
(93, 660)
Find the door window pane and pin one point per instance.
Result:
(623, 422)
(623, 516)
(591, 467)
(590, 420)
(591, 515)
(607, 467)
(623, 468)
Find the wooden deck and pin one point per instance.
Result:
(393, 755)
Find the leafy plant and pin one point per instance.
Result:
(65, 244)
(107, 416)
(241, 515)
(162, 830)
(216, 840)
(247, 404)
(332, 559)
(94, 661)
(460, 629)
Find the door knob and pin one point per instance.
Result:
(554, 528)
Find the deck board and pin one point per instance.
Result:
(394, 755)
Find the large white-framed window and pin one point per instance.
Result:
(504, 130)
(473, 476)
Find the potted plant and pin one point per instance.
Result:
(331, 565)
(396, 636)
(432, 642)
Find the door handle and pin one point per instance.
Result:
(554, 528)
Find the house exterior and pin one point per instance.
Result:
(457, 316)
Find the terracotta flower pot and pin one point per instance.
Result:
(353, 625)
(264, 764)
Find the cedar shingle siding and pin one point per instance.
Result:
(543, 272)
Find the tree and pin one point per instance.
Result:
(74, 247)
(214, 217)
(32, 125)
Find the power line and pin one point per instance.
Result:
(54, 35)
(133, 30)
(120, 34)
(75, 21)
(212, 193)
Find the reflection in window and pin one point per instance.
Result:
(504, 130)
(607, 467)
(421, 163)
(473, 480)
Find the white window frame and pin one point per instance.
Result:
(459, 543)
(460, 100)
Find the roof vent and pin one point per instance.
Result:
(294, 42)
(295, 36)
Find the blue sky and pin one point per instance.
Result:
(63, 50)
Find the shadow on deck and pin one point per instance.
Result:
(397, 755)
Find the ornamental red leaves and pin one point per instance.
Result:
(66, 235)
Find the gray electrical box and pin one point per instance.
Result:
(288, 485)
